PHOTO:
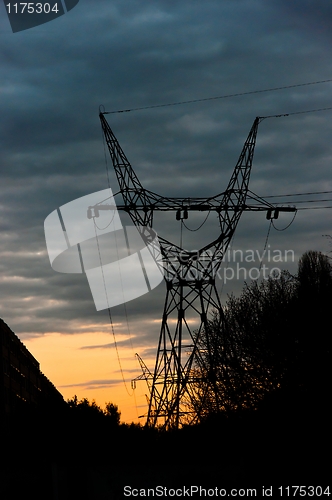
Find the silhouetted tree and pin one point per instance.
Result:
(112, 413)
(270, 337)
(84, 407)
(314, 296)
(315, 276)
(241, 357)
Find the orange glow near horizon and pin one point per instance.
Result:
(80, 364)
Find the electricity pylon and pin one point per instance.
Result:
(191, 292)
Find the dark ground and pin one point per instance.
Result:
(285, 442)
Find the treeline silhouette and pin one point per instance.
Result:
(263, 398)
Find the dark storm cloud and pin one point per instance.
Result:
(129, 54)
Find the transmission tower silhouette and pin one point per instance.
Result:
(190, 277)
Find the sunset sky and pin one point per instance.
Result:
(132, 54)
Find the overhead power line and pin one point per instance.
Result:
(226, 96)
(297, 202)
(297, 194)
(307, 201)
(296, 113)
(314, 208)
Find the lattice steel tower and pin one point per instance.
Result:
(190, 278)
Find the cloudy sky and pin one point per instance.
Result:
(129, 54)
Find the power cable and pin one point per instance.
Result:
(295, 113)
(199, 227)
(296, 194)
(314, 208)
(226, 96)
(109, 313)
(266, 240)
(125, 308)
(284, 229)
(307, 201)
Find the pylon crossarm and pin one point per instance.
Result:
(140, 202)
(173, 205)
